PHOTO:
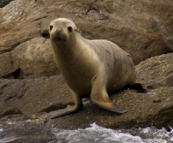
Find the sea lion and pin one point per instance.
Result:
(91, 68)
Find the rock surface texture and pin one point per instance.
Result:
(30, 83)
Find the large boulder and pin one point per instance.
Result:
(34, 58)
(156, 72)
(33, 95)
(142, 28)
(40, 96)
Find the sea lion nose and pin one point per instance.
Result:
(58, 31)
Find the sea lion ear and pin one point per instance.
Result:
(45, 33)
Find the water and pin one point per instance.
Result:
(31, 132)
(97, 134)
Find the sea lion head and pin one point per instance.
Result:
(60, 30)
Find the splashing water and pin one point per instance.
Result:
(32, 132)
(97, 134)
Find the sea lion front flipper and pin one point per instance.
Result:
(100, 97)
(110, 106)
(69, 109)
(62, 112)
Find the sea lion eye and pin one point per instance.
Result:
(69, 29)
(51, 27)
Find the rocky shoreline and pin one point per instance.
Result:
(30, 83)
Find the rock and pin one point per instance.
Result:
(6, 66)
(20, 131)
(34, 58)
(33, 95)
(166, 31)
(156, 71)
(141, 112)
(144, 29)
(31, 59)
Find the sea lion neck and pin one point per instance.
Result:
(70, 48)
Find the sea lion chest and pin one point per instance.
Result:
(78, 65)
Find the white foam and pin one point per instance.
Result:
(98, 134)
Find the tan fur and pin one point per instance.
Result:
(91, 68)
